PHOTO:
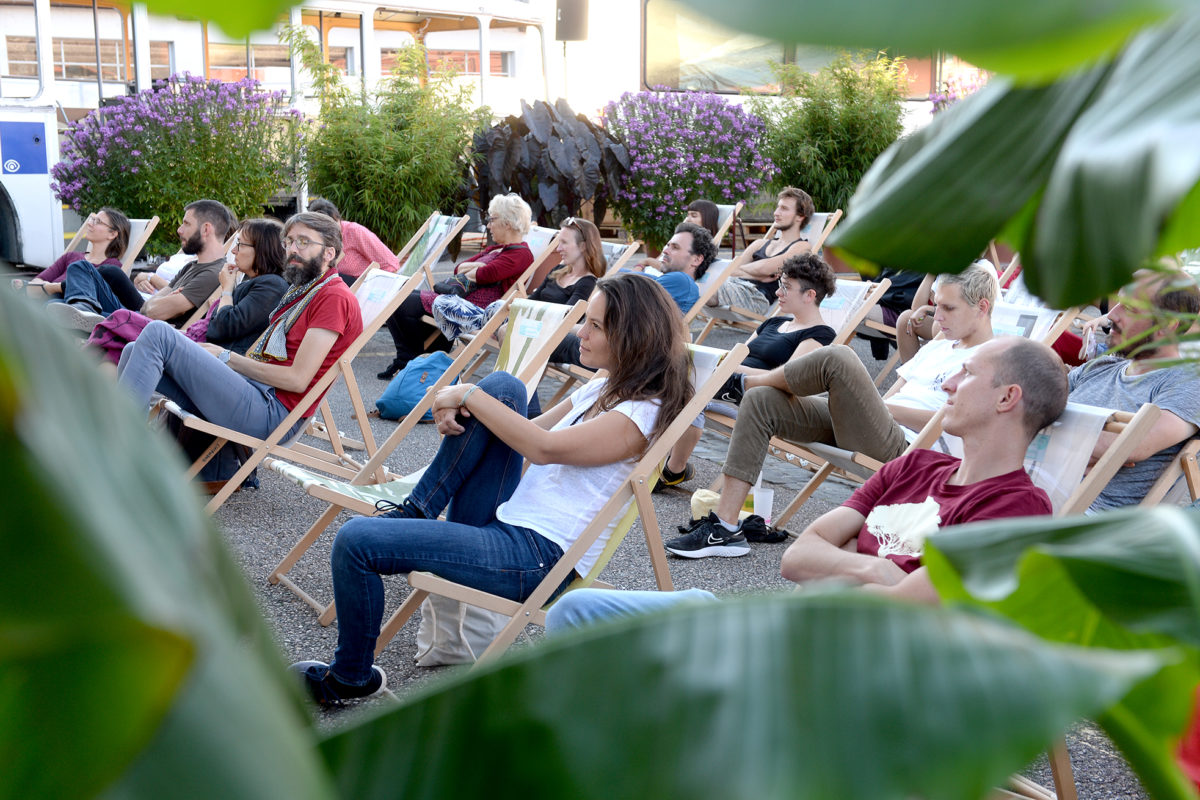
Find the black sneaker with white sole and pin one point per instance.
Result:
(326, 690)
(732, 390)
(708, 537)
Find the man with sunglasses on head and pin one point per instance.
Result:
(310, 329)
(91, 293)
(1146, 322)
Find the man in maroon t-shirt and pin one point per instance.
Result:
(1005, 393)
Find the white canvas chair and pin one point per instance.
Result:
(139, 234)
(379, 293)
(816, 231)
(727, 218)
(617, 255)
(536, 329)
(712, 368)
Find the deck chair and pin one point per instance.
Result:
(817, 231)
(139, 234)
(712, 368)
(426, 246)
(1179, 483)
(379, 292)
(536, 327)
(617, 254)
(417, 257)
(727, 218)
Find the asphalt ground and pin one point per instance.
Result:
(262, 524)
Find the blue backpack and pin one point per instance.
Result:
(408, 388)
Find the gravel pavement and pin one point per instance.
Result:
(262, 524)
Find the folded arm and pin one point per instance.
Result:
(1167, 431)
(294, 377)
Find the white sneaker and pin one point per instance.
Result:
(75, 316)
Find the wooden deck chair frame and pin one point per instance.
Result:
(636, 489)
(139, 233)
(436, 248)
(742, 318)
(1181, 469)
(620, 254)
(337, 462)
(724, 226)
(529, 367)
(528, 280)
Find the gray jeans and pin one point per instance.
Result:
(853, 416)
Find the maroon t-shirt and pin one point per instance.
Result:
(909, 498)
(333, 308)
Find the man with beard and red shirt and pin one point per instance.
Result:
(91, 293)
(310, 329)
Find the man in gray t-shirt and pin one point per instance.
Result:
(1145, 321)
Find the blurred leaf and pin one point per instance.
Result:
(1119, 580)
(933, 200)
(1129, 166)
(1025, 38)
(126, 624)
(781, 696)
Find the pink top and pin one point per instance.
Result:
(58, 270)
(360, 248)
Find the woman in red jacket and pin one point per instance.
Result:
(493, 272)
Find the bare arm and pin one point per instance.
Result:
(914, 418)
(1167, 431)
(768, 268)
(149, 282)
(167, 304)
(604, 439)
(913, 586)
(821, 552)
(298, 375)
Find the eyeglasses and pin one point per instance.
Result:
(98, 221)
(239, 245)
(571, 222)
(783, 288)
(300, 242)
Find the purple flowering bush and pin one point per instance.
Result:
(683, 146)
(159, 150)
(956, 88)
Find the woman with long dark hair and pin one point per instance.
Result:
(504, 532)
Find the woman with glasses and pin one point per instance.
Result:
(107, 236)
(481, 280)
(574, 279)
(799, 328)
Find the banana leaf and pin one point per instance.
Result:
(1119, 580)
(133, 658)
(784, 696)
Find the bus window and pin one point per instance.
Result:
(685, 51)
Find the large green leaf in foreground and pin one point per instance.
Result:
(1087, 189)
(1120, 580)
(1020, 37)
(130, 647)
(783, 696)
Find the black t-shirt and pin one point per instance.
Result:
(770, 348)
(551, 292)
(771, 287)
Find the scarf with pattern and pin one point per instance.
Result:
(272, 344)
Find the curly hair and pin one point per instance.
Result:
(812, 272)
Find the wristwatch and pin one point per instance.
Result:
(224, 356)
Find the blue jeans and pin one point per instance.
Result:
(584, 607)
(163, 359)
(84, 282)
(471, 475)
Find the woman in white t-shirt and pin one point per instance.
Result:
(503, 532)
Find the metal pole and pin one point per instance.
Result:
(99, 74)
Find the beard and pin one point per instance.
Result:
(192, 244)
(300, 271)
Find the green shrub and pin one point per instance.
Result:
(159, 150)
(389, 162)
(828, 128)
